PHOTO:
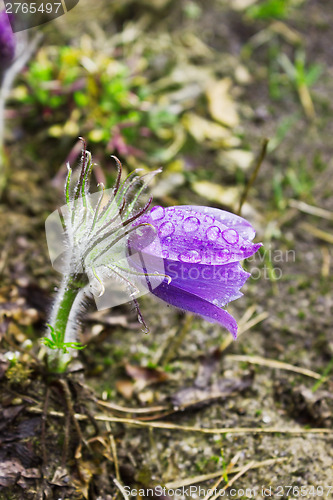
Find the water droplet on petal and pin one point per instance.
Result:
(191, 224)
(178, 215)
(222, 255)
(157, 213)
(215, 302)
(213, 232)
(208, 219)
(192, 256)
(166, 241)
(166, 229)
(230, 236)
(165, 254)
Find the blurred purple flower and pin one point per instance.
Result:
(201, 248)
(7, 41)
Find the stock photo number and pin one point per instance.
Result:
(28, 14)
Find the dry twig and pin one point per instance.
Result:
(206, 477)
(273, 363)
(188, 428)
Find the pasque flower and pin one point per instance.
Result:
(7, 42)
(201, 248)
(107, 244)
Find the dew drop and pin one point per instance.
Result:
(178, 215)
(192, 256)
(165, 254)
(208, 219)
(230, 236)
(166, 241)
(222, 255)
(157, 213)
(215, 302)
(166, 229)
(191, 224)
(213, 232)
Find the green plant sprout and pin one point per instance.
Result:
(57, 341)
(105, 98)
(302, 77)
(276, 9)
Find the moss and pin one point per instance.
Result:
(18, 374)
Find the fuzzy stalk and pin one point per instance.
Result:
(64, 320)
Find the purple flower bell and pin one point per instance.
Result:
(7, 42)
(201, 248)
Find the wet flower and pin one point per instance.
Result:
(201, 248)
(106, 244)
(7, 42)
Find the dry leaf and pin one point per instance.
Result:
(227, 196)
(243, 75)
(202, 130)
(221, 389)
(150, 375)
(221, 105)
(125, 388)
(12, 470)
(236, 158)
(242, 4)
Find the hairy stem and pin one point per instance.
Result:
(64, 319)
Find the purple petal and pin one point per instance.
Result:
(192, 303)
(201, 248)
(7, 41)
(216, 284)
(242, 226)
(197, 235)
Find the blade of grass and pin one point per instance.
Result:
(273, 363)
(324, 376)
(311, 209)
(318, 233)
(243, 328)
(206, 477)
(231, 482)
(255, 172)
